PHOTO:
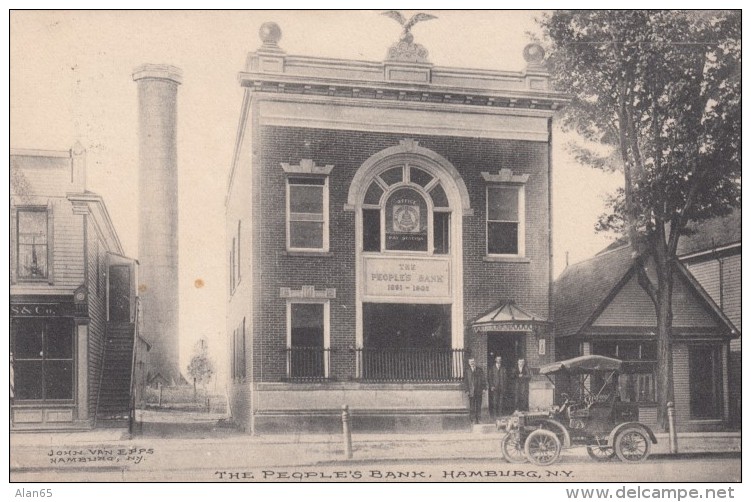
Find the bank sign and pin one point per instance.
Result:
(406, 278)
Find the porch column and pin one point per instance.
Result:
(725, 387)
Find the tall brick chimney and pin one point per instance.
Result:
(157, 234)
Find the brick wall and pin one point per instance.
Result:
(485, 283)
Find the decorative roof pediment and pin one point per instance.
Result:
(505, 176)
(307, 166)
(507, 317)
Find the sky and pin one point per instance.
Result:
(71, 80)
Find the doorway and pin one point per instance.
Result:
(511, 347)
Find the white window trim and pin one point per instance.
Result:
(326, 328)
(521, 231)
(325, 240)
(17, 244)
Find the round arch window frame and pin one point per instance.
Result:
(389, 190)
(408, 152)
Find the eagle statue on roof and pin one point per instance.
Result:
(407, 25)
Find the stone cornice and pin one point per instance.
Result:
(402, 92)
(89, 203)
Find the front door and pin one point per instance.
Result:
(510, 346)
(119, 293)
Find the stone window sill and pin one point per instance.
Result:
(307, 253)
(506, 259)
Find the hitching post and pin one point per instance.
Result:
(671, 428)
(347, 432)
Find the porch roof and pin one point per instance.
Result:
(507, 317)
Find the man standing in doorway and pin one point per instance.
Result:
(496, 388)
(474, 385)
(522, 376)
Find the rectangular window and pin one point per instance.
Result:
(371, 229)
(307, 341)
(238, 352)
(239, 244)
(242, 350)
(307, 214)
(637, 381)
(32, 242)
(232, 255)
(42, 352)
(233, 356)
(705, 381)
(441, 232)
(505, 220)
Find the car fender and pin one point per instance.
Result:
(558, 428)
(620, 427)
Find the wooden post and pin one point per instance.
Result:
(347, 432)
(160, 393)
(671, 428)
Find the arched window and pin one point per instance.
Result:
(405, 209)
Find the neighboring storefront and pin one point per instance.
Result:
(65, 256)
(601, 309)
(375, 210)
(712, 253)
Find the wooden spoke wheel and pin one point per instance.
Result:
(633, 445)
(542, 447)
(601, 453)
(513, 449)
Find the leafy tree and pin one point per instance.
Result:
(661, 90)
(201, 367)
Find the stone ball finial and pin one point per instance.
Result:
(270, 33)
(534, 54)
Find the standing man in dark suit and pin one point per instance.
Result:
(474, 385)
(496, 388)
(522, 376)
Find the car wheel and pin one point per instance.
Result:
(513, 449)
(542, 447)
(601, 453)
(633, 445)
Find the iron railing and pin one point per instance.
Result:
(409, 364)
(308, 364)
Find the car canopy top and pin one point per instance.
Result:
(582, 365)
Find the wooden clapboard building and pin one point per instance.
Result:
(712, 253)
(72, 300)
(600, 308)
(385, 221)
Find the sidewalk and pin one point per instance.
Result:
(114, 449)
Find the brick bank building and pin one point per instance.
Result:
(385, 221)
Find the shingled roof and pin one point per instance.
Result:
(582, 289)
(703, 236)
(583, 286)
(711, 234)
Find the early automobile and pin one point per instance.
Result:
(594, 417)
